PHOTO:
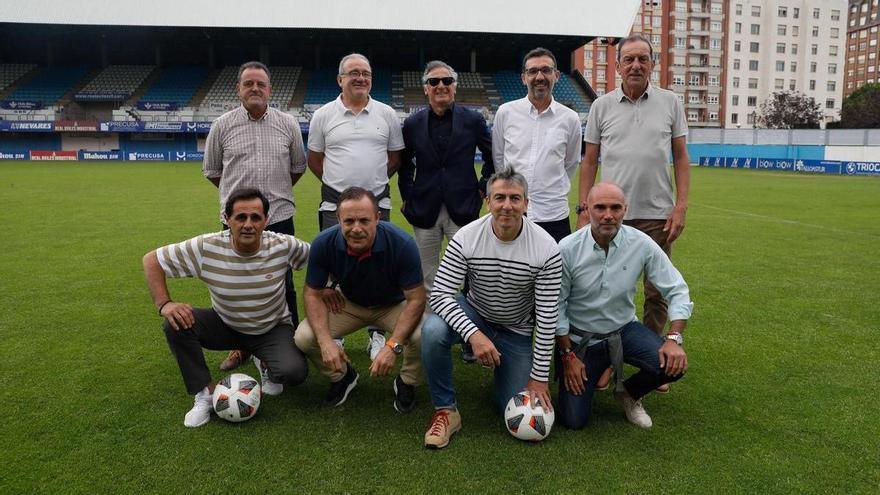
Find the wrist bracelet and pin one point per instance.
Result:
(163, 305)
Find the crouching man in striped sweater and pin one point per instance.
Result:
(245, 269)
(511, 270)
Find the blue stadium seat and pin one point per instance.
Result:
(50, 84)
(176, 84)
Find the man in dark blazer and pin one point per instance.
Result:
(437, 179)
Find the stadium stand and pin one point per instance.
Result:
(321, 87)
(116, 82)
(222, 93)
(9, 73)
(509, 85)
(176, 84)
(566, 93)
(50, 84)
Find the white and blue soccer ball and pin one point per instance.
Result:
(237, 397)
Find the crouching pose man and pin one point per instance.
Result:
(597, 322)
(245, 270)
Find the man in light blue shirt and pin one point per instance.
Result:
(597, 324)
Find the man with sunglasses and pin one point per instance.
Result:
(438, 183)
(354, 140)
(540, 138)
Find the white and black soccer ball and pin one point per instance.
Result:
(237, 397)
(526, 418)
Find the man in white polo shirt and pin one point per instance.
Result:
(354, 140)
(540, 138)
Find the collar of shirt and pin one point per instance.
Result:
(622, 96)
(345, 109)
(551, 109)
(248, 114)
(615, 242)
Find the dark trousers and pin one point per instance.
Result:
(285, 227)
(557, 229)
(654, 313)
(640, 349)
(275, 348)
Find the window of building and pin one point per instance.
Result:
(835, 32)
(815, 13)
(781, 29)
(794, 49)
(815, 31)
(756, 29)
(693, 98)
(780, 47)
(680, 42)
(737, 45)
(717, 8)
(680, 98)
(734, 100)
(829, 103)
(753, 83)
(754, 46)
(712, 99)
(678, 79)
(756, 11)
(713, 80)
(715, 26)
(657, 21)
(600, 76)
(753, 65)
(792, 84)
(812, 84)
(693, 116)
(655, 77)
(782, 12)
(795, 12)
(694, 80)
(736, 64)
(681, 25)
(793, 65)
(603, 57)
(814, 49)
(779, 84)
(735, 82)
(739, 9)
(713, 116)
(812, 66)
(737, 27)
(832, 68)
(752, 101)
(715, 44)
(835, 15)
(831, 86)
(734, 118)
(750, 119)
(832, 50)
(794, 31)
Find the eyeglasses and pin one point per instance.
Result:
(546, 70)
(447, 81)
(355, 74)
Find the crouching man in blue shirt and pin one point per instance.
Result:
(597, 324)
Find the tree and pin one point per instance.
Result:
(789, 110)
(861, 109)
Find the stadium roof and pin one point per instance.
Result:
(577, 18)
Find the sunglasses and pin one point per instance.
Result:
(447, 81)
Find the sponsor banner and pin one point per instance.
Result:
(149, 156)
(100, 96)
(41, 126)
(163, 126)
(187, 156)
(21, 104)
(121, 126)
(860, 168)
(100, 155)
(53, 155)
(782, 164)
(132, 126)
(818, 166)
(157, 106)
(15, 155)
(76, 125)
(775, 164)
(713, 161)
(201, 127)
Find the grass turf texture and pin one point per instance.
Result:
(780, 397)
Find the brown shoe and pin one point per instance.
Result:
(444, 424)
(234, 360)
(662, 389)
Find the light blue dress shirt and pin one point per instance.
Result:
(597, 290)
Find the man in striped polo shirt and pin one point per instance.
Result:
(244, 268)
(512, 270)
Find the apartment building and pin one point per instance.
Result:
(862, 45)
(795, 45)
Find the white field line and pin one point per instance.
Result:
(789, 222)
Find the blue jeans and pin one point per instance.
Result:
(437, 341)
(640, 349)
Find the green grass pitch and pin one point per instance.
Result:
(781, 396)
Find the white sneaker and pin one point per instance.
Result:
(201, 410)
(268, 387)
(635, 413)
(376, 343)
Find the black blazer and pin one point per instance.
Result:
(427, 180)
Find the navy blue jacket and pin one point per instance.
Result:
(427, 180)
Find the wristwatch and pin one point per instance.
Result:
(675, 337)
(567, 355)
(396, 347)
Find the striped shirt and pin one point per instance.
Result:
(260, 154)
(514, 284)
(247, 292)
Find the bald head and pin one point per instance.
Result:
(607, 205)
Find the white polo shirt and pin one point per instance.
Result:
(355, 146)
(545, 148)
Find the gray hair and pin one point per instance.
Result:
(254, 64)
(438, 64)
(349, 57)
(631, 38)
(510, 176)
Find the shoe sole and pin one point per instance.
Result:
(442, 446)
(272, 394)
(348, 390)
(200, 424)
